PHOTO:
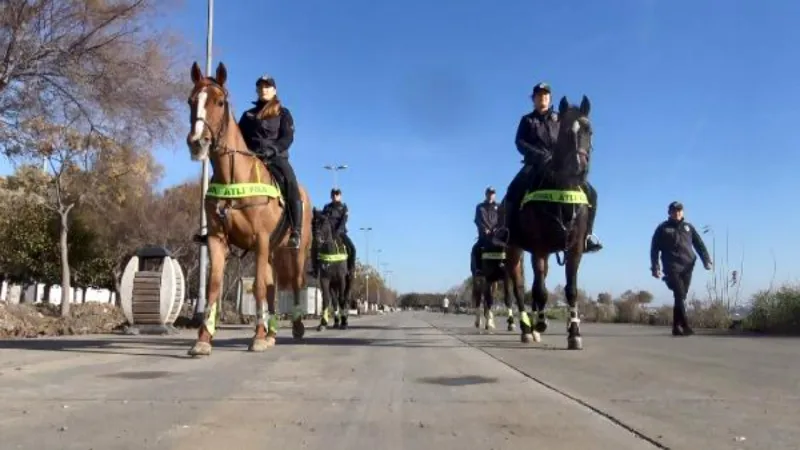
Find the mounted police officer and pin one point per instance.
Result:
(268, 131)
(677, 240)
(536, 138)
(338, 214)
(487, 219)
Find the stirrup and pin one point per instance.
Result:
(592, 245)
(294, 240)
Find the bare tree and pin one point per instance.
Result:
(94, 65)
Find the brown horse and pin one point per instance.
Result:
(245, 209)
(553, 218)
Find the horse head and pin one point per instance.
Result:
(574, 146)
(209, 112)
(322, 231)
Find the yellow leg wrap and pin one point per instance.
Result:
(525, 318)
(210, 320)
(273, 325)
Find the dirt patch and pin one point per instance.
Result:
(28, 320)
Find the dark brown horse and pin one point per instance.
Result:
(553, 218)
(485, 279)
(331, 254)
(245, 209)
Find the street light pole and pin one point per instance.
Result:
(366, 231)
(200, 307)
(378, 270)
(335, 168)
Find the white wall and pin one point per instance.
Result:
(12, 294)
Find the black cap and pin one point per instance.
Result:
(336, 191)
(266, 79)
(489, 190)
(541, 87)
(675, 206)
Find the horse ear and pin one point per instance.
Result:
(586, 106)
(222, 74)
(197, 74)
(563, 105)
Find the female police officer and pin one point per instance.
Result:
(536, 138)
(268, 130)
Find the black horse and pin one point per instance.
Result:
(485, 277)
(331, 255)
(554, 218)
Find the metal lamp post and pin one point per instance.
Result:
(335, 169)
(200, 307)
(366, 231)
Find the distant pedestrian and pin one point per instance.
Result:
(445, 305)
(677, 240)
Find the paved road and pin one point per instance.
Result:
(403, 381)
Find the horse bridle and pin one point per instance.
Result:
(216, 145)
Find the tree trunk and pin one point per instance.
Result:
(65, 275)
(117, 289)
(46, 296)
(83, 294)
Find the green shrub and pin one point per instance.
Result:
(775, 311)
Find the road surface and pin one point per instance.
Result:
(403, 381)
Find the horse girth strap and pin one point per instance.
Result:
(332, 257)
(569, 197)
(242, 190)
(494, 255)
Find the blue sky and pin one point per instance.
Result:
(690, 101)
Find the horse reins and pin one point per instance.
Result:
(216, 146)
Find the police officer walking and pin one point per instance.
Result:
(486, 219)
(677, 240)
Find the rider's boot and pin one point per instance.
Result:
(297, 224)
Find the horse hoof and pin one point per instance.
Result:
(575, 343)
(298, 329)
(321, 328)
(511, 327)
(200, 349)
(527, 338)
(540, 327)
(261, 345)
(537, 337)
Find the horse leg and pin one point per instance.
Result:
(488, 304)
(573, 262)
(325, 286)
(344, 305)
(539, 291)
(336, 294)
(507, 301)
(218, 252)
(477, 286)
(298, 282)
(337, 321)
(266, 323)
(516, 275)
